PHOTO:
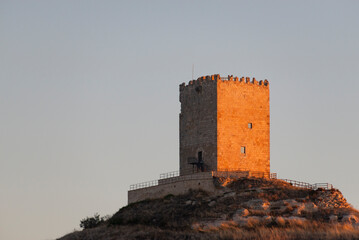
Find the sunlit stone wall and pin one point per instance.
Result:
(227, 119)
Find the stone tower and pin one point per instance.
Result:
(224, 125)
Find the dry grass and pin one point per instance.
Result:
(306, 231)
(225, 232)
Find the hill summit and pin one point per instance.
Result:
(246, 208)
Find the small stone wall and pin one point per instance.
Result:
(176, 186)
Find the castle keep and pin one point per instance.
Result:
(224, 132)
(224, 125)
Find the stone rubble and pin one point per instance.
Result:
(282, 212)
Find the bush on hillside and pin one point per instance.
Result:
(92, 222)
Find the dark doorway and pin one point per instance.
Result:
(200, 157)
(200, 161)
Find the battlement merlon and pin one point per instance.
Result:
(217, 77)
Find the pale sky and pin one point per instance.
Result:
(89, 96)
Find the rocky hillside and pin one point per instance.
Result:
(244, 209)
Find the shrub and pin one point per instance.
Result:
(91, 222)
(168, 196)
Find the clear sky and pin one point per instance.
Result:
(89, 96)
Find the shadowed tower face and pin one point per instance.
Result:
(224, 125)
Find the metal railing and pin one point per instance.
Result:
(298, 183)
(144, 185)
(196, 176)
(175, 176)
(246, 173)
(188, 174)
(169, 174)
(194, 170)
(170, 177)
(314, 186)
(322, 185)
(273, 175)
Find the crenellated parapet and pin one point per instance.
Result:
(229, 78)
